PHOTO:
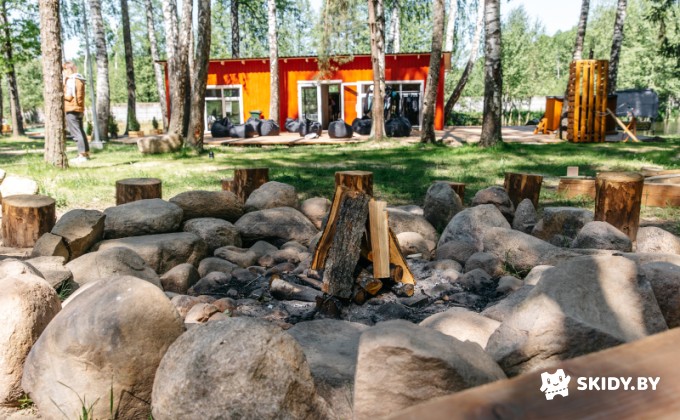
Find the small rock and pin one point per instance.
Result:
(211, 264)
(653, 239)
(566, 221)
(403, 221)
(81, 229)
(498, 197)
(462, 324)
(445, 265)
(225, 305)
(416, 301)
(458, 251)
(414, 243)
(213, 283)
(242, 257)
(278, 225)
(200, 313)
(52, 270)
(491, 264)
(390, 310)
(184, 303)
(216, 204)
(50, 245)
(180, 278)
(508, 284)
(477, 281)
(525, 216)
(441, 204)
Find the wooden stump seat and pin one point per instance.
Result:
(25, 218)
(133, 189)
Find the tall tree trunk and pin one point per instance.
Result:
(102, 58)
(617, 40)
(273, 63)
(14, 105)
(493, 75)
(200, 76)
(235, 36)
(458, 90)
(129, 68)
(395, 28)
(581, 30)
(430, 104)
(53, 92)
(2, 108)
(90, 80)
(376, 23)
(155, 56)
(451, 25)
(175, 80)
(185, 49)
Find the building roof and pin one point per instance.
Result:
(214, 60)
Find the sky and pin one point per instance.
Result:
(556, 15)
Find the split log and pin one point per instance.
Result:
(283, 290)
(359, 295)
(618, 199)
(340, 245)
(248, 180)
(310, 281)
(228, 184)
(397, 258)
(577, 186)
(134, 189)
(361, 181)
(521, 186)
(369, 283)
(25, 218)
(380, 238)
(329, 306)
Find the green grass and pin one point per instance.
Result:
(402, 173)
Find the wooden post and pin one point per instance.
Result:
(356, 180)
(133, 189)
(618, 199)
(248, 180)
(380, 238)
(521, 186)
(25, 218)
(227, 184)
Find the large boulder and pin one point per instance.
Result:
(462, 324)
(498, 197)
(653, 239)
(583, 305)
(665, 281)
(162, 252)
(602, 235)
(401, 364)
(153, 145)
(16, 185)
(316, 209)
(277, 226)
(215, 232)
(469, 225)
(331, 348)
(270, 195)
(404, 221)
(218, 204)
(236, 368)
(15, 268)
(27, 305)
(564, 221)
(441, 204)
(111, 262)
(503, 309)
(81, 229)
(88, 356)
(525, 216)
(142, 217)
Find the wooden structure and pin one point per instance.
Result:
(245, 181)
(571, 187)
(520, 397)
(587, 96)
(25, 218)
(618, 197)
(661, 195)
(133, 189)
(553, 113)
(357, 235)
(521, 186)
(626, 128)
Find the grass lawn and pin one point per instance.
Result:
(402, 172)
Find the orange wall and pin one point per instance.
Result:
(253, 75)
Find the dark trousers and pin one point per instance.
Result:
(74, 122)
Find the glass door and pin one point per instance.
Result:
(310, 102)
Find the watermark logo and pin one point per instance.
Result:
(555, 384)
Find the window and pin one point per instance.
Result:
(221, 102)
(401, 98)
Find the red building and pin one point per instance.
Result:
(237, 86)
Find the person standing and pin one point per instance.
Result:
(74, 106)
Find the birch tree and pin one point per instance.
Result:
(581, 29)
(376, 24)
(451, 25)
(102, 59)
(132, 124)
(155, 56)
(432, 84)
(617, 40)
(273, 62)
(493, 75)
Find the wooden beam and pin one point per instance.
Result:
(622, 125)
(380, 238)
(521, 398)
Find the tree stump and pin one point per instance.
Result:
(521, 186)
(228, 184)
(25, 218)
(248, 180)
(577, 186)
(134, 189)
(361, 181)
(618, 196)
